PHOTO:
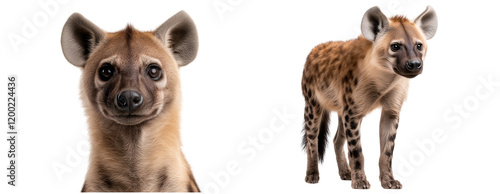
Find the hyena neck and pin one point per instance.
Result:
(125, 158)
(376, 74)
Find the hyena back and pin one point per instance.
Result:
(130, 90)
(354, 77)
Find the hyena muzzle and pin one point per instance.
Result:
(353, 78)
(130, 90)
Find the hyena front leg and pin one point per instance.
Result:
(312, 121)
(339, 142)
(388, 127)
(352, 124)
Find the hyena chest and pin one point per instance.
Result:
(111, 178)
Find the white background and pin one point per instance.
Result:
(247, 73)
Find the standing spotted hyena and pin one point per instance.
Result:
(130, 89)
(353, 78)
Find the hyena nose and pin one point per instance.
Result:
(128, 101)
(413, 65)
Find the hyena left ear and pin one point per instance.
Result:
(427, 21)
(79, 38)
(374, 22)
(179, 35)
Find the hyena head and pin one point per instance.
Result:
(129, 76)
(399, 44)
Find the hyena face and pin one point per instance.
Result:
(399, 43)
(133, 77)
(129, 76)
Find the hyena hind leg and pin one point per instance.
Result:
(339, 142)
(315, 137)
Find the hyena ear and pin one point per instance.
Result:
(427, 22)
(79, 38)
(374, 22)
(179, 35)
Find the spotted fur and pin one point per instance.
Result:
(354, 77)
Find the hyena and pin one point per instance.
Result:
(353, 78)
(131, 94)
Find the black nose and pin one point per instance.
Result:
(128, 100)
(413, 65)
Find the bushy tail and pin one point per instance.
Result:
(322, 136)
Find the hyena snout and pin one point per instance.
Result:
(414, 66)
(409, 69)
(128, 101)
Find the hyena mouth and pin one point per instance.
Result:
(129, 119)
(132, 119)
(407, 75)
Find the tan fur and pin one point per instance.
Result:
(133, 149)
(159, 144)
(353, 78)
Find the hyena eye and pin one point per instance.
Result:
(106, 72)
(419, 46)
(395, 47)
(154, 71)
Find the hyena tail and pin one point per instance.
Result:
(322, 135)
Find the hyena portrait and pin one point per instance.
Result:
(130, 89)
(353, 78)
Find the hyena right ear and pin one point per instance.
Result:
(427, 21)
(179, 35)
(79, 37)
(374, 22)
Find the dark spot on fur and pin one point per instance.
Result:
(346, 118)
(309, 122)
(355, 152)
(392, 138)
(311, 137)
(348, 132)
(349, 99)
(353, 142)
(357, 133)
(345, 80)
(388, 153)
(346, 107)
(162, 179)
(354, 125)
(309, 93)
(348, 90)
(313, 102)
(349, 74)
(396, 125)
(311, 116)
(357, 165)
(356, 82)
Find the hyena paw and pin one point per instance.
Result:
(360, 184)
(312, 178)
(345, 175)
(391, 184)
